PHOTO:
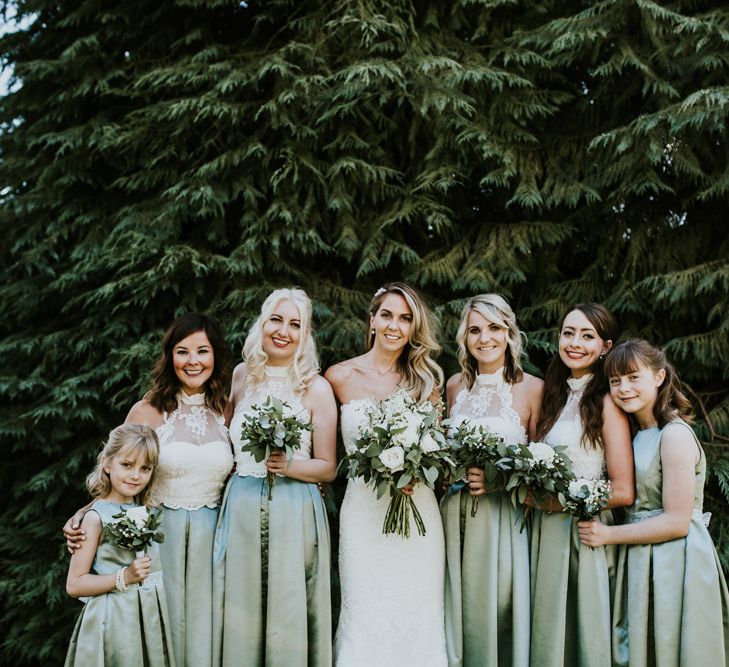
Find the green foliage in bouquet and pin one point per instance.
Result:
(584, 499)
(135, 528)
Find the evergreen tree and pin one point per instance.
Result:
(162, 157)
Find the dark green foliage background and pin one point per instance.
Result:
(166, 156)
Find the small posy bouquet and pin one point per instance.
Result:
(400, 442)
(539, 468)
(474, 445)
(135, 528)
(272, 427)
(585, 498)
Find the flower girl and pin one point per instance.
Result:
(124, 621)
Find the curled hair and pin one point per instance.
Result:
(494, 308)
(421, 373)
(627, 357)
(166, 384)
(125, 440)
(305, 365)
(556, 389)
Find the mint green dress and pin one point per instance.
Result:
(571, 583)
(672, 604)
(122, 629)
(271, 562)
(487, 556)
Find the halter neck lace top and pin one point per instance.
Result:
(276, 382)
(195, 456)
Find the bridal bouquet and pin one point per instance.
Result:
(135, 529)
(473, 445)
(272, 427)
(399, 442)
(538, 468)
(585, 498)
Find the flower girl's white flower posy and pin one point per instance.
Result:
(393, 458)
(138, 515)
(541, 453)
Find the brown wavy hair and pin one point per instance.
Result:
(627, 357)
(556, 389)
(131, 439)
(166, 384)
(421, 373)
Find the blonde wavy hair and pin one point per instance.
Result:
(306, 362)
(421, 373)
(125, 440)
(494, 308)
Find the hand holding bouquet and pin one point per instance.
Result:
(401, 442)
(135, 529)
(272, 427)
(474, 445)
(584, 499)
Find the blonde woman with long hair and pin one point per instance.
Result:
(271, 556)
(392, 587)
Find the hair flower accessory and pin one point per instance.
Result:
(380, 291)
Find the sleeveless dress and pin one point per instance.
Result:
(194, 462)
(672, 604)
(272, 558)
(122, 629)
(392, 588)
(487, 557)
(571, 587)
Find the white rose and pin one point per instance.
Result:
(138, 515)
(541, 452)
(575, 487)
(429, 444)
(393, 458)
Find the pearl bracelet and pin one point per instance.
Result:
(121, 585)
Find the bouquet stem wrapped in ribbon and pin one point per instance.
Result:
(400, 443)
(272, 427)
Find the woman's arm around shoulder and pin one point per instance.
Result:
(618, 454)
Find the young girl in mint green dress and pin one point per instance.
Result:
(671, 603)
(124, 622)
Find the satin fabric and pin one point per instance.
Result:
(487, 582)
(122, 629)
(272, 576)
(672, 604)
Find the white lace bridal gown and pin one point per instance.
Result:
(392, 587)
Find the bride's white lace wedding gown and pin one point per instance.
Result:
(392, 587)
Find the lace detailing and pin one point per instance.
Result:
(276, 382)
(195, 457)
(588, 462)
(489, 402)
(392, 609)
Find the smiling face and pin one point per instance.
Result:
(129, 473)
(636, 392)
(393, 323)
(580, 346)
(193, 360)
(487, 342)
(281, 333)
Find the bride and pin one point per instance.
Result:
(392, 587)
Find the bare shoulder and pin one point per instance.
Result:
(453, 382)
(319, 388)
(678, 435)
(91, 520)
(610, 410)
(339, 374)
(238, 380)
(143, 412)
(532, 385)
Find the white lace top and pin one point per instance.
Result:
(588, 462)
(489, 403)
(276, 382)
(195, 456)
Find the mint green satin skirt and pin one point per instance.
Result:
(272, 603)
(487, 582)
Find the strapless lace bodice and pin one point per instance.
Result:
(195, 456)
(588, 462)
(489, 403)
(276, 382)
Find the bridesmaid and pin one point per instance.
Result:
(571, 586)
(487, 557)
(272, 560)
(185, 406)
(672, 603)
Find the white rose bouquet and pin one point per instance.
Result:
(272, 427)
(473, 445)
(539, 468)
(400, 442)
(584, 499)
(135, 529)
